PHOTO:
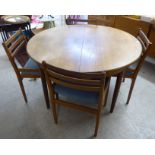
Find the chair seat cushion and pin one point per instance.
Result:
(77, 96)
(31, 64)
(132, 67)
(128, 73)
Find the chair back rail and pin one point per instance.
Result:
(143, 39)
(15, 43)
(146, 44)
(13, 47)
(17, 37)
(85, 81)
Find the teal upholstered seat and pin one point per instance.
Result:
(132, 67)
(77, 96)
(79, 91)
(31, 64)
(128, 73)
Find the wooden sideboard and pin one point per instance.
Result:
(131, 25)
(102, 20)
(128, 24)
(151, 36)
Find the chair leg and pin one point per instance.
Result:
(98, 115)
(97, 124)
(54, 112)
(123, 80)
(56, 96)
(44, 85)
(130, 91)
(22, 89)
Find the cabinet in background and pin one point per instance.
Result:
(128, 24)
(152, 39)
(131, 25)
(102, 19)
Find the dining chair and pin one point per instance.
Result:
(132, 71)
(82, 91)
(8, 29)
(15, 48)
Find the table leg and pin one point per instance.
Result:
(108, 83)
(116, 91)
(45, 90)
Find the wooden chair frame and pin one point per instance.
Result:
(80, 81)
(12, 47)
(146, 44)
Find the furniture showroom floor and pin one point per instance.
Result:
(33, 120)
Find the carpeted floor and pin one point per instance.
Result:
(33, 120)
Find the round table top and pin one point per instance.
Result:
(85, 48)
(16, 19)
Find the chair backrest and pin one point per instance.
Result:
(75, 80)
(15, 48)
(6, 30)
(146, 44)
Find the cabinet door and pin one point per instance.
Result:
(107, 20)
(92, 17)
(131, 25)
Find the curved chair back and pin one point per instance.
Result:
(75, 80)
(15, 48)
(146, 44)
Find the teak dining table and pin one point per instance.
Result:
(86, 48)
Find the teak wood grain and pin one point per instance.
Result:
(12, 47)
(132, 73)
(146, 44)
(85, 48)
(94, 82)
